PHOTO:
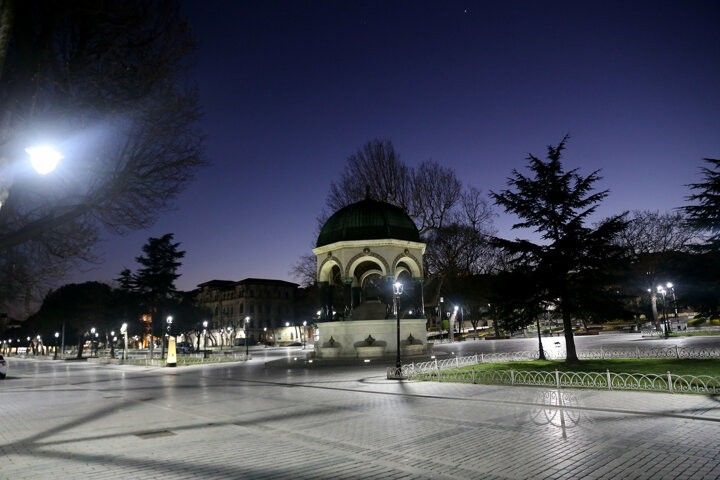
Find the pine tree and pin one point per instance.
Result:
(705, 215)
(556, 204)
(156, 278)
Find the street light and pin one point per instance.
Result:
(662, 292)
(440, 318)
(123, 330)
(451, 324)
(304, 334)
(44, 159)
(169, 321)
(397, 291)
(675, 309)
(205, 325)
(112, 344)
(92, 342)
(57, 335)
(247, 342)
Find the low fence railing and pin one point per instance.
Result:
(445, 370)
(597, 380)
(187, 359)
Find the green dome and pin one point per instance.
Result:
(368, 220)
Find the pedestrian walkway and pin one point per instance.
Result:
(64, 420)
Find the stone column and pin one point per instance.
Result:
(348, 297)
(325, 300)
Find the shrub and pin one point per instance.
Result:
(696, 322)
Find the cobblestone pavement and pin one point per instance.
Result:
(77, 420)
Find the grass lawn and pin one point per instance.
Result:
(695, 333)
(695, 367)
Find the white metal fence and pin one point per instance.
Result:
(446, 371)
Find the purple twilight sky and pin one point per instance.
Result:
(291, 88)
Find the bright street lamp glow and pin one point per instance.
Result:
(44, 159)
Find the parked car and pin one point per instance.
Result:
(3, 367)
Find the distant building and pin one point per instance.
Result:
(269, 305)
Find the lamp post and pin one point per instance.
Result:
(205, 325)
(397, 291)
(675, 309)
(57, 335)
(166, 337)
(92, 340)
(62, 340)
(662, 292)
(247, 340)
(112, 344)
(440, 318)
(451, 324)
(171, 357)
(123, 330)
(304, 332)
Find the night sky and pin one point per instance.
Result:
(291, 88)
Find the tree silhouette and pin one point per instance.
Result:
(556, 204)
(705, 214)
(106, 83)
(80, 307)
(155, 280)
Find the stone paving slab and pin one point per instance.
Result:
(63, 420)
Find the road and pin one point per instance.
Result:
(244, 420)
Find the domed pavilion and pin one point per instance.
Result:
(362, 250)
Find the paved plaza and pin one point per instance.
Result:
(71, 420)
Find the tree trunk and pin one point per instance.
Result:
(6, 24)
(653, 303)
(541, 351)
(571, 353)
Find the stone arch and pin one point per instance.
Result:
(414, 266)
(367, 274)
(369, 256)
(325, 268)
(406, 265)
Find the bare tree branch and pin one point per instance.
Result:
(106, 81)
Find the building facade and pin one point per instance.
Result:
(267, 306)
